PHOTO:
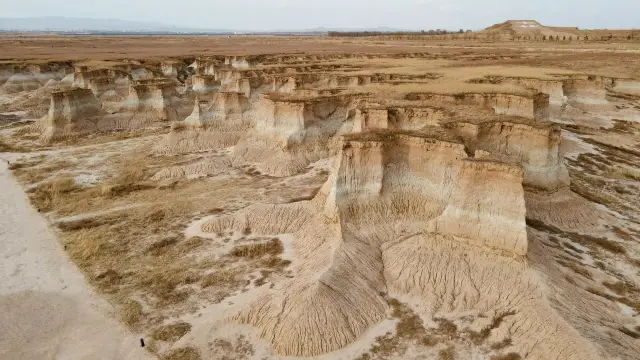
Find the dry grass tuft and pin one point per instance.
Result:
(172, 332)
(220, 278)
(623, 300)
(272, 247)
(49, 194)
(447, 354)
(619, 287)
(132, 313)
(509, 356)
(185, 353)
(481, 336)
(577, 269)
(624, 173)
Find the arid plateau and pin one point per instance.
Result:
(445, 197)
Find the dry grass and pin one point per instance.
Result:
(172, 332)
(634, 304)
(132, 313)
(592, 242)
(185, 353)
(447, 354)
(577, 269)
(481, 336)
(272, 247)
(34, 174)
(619, 287)
(51, 194)
(625, 173)
(238, 349)
(509, 356)
(221, 278)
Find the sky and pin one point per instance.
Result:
(306, 14)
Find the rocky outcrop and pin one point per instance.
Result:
(239, 62)
(535, 147)
(387, 189)
(152, 101)
(220, 125)
(228, 104)
(553, 88)
(527, 106)
(21, 82)
(292, 133)
(72, 113)
(587, 92)
(444, 187)
(625, 86)
(204, 84)
(397, 118)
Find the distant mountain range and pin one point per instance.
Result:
(69, 24)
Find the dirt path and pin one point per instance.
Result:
(46, 309)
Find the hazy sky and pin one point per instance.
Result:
(304, 14)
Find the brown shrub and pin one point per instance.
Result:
(219, 278)
(46, 195)
(132, 313)
(272, 247)
(509, 356)
(447, 354)
(172, 332)
(185, 353)
(619, 287)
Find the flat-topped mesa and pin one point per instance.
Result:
(440, 187)
(535, 146)
(72, 113)
(204, 84)
(528, 106)
(585, 91)
(153, 100)
(397, 118)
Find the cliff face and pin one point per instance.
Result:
(226, 104)
(396, 213)
(153, 101)
(71, 113)
(585, 91)
(220, 125)
(530, 107)
(432, 184)
(398, 118)
(239, 62)
(204, 84)
(290, 134)
(535, 148)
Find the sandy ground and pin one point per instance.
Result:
(46, 309)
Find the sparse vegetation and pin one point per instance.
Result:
(272, 247)
(186, 353)
(172, 332)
